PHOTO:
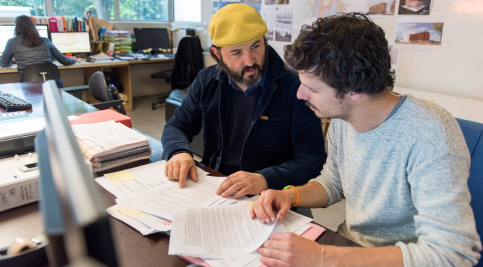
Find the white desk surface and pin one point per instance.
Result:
(463, 108)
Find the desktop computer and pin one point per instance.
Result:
(152, 38)
(72, 42)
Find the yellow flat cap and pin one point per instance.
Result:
(236, 24)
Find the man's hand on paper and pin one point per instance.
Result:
(179, 167)
(269, 200)
(241, 184)
(289, 249)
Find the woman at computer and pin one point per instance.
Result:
(27, 47)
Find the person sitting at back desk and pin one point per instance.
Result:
(401, 163)
(254, 128)
(29, 48)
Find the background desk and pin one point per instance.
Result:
(121, 72)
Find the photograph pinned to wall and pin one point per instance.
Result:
(381, 7)
(395, 54)
(277, 2)
(257, 4)
(283, 24)
(419, 34)
(217, 4)
(414, 7)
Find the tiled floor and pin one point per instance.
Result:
(151, 122)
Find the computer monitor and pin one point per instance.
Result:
(71, 42)
(7, 31)
(152, 38)
(72, 207)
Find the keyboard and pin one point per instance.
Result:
(12, 103)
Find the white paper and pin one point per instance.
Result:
(167, 199)
(145, 223)
(219, 232)
(137, 180)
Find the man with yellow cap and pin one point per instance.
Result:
(255, 130)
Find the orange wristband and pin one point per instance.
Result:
(297, 199)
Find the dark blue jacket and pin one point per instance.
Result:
(287, 148)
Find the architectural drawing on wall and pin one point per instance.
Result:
(322, 8)
(419, 33)
(381, 7)
(277, 2)
(414, 7)
(283, 24)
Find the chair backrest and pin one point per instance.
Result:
(98, 87)
(188, 61)
(108, 96)
(40, 72)
(473, 132)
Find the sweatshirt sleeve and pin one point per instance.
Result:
(7, 56)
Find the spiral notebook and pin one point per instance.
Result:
(110, 144)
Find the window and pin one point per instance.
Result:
(150, 10)
(14, 8)
(144, 10)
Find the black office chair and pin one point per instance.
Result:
(188, 61)
(41, 72)
(107, 95)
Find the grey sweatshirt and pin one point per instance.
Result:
(405, 184)
(25, 55)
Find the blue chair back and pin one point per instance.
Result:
(473, 132)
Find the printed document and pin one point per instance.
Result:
(137, 180)
(217, 232)
(167, 199)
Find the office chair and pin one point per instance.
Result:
(107, 95)
(188, 61)
(473, 132)
(41, 72)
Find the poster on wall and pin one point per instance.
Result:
(381, 7)
(279, 20)
(414, 7)
(419, 34)
(277, 2)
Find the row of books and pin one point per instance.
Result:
(62, 23)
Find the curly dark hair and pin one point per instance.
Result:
(348, 52)
(25, 27)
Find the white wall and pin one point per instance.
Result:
(454, 69)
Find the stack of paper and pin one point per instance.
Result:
(109, 144)
(202, 224)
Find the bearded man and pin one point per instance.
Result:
(255, 130)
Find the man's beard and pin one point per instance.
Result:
(239, 78)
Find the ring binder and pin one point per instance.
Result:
(110, 144)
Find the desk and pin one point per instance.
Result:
(132, 248)
(32, 92)
(120, 72)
